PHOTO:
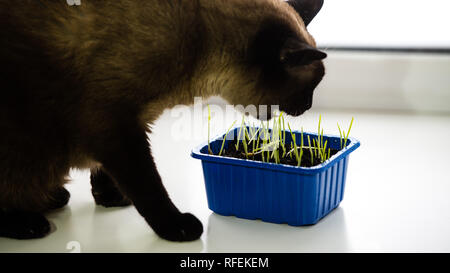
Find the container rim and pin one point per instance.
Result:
(353, 145)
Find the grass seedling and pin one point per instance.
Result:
(268, 146)
(244, 141)
(301, 149)
(274, 131)
(250, 131)
(324, 152)
(247, 133)
(310, 150)
(267, 135)
(225, 138)
(315, 147)
(282, 133)
(270, 143)
(293, 149)
(294, 141)
(348, 132)
(257, 135)
(255, 143)
(274, 137)
(343, 135)
(277, 137)
(264, 141)
(276, 154)
(209, 127)
(239, 134)
(318, 143)
(321, 144)
(251, 135)
(320, 147)
(290, 152)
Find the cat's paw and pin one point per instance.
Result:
(110, 198)
(182, 228)
(23, 225)
(60, 198)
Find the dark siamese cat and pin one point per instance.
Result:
(80, 84)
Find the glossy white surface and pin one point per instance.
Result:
(397, 197)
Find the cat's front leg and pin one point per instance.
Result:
(19, 224)
(105, 190)
(125, 155)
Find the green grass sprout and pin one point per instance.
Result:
(292, 149)
(315, 147)
(282, 133)
(244, 142)
(301, 149)
(268, 140)
(276, 137)
(321, 144)
(324, 151)
(239, 134)
(348, 132)
(268, 146)
(225, 138)
(310, 150)
(264, 140)
(340, 134)
(209, 128)
(259, 138)
(284, 129)
(255, 143)
(269, 143)
(318, 143)
(297, 157)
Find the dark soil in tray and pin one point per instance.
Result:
(287, 160)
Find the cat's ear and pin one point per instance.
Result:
(307, 9)
(297, 53)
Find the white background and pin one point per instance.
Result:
(383, 23)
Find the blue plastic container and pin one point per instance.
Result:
(272, 192)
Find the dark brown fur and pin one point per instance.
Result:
(79, 84)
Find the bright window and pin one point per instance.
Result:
(383, 23)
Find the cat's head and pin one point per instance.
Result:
(279, 64)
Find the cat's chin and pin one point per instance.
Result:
(295, 112)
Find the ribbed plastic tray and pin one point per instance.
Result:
(272, 192)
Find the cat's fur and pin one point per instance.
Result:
(79, 84)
